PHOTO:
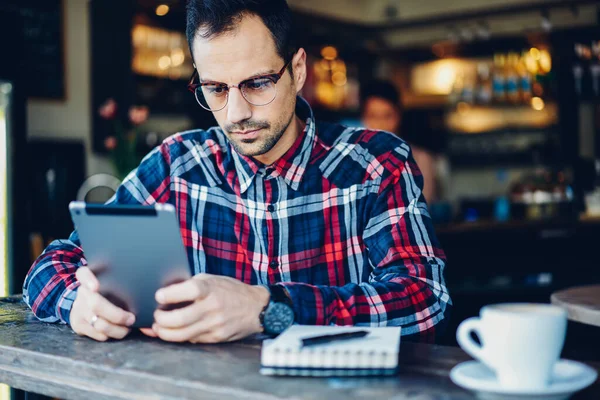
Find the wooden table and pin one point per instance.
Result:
(51, 360)
(582, 303)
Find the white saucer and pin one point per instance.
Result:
(568, 378)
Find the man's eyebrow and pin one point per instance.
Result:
(255, 75)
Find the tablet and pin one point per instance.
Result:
(134, 251)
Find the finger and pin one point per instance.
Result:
(216, 337)
(107, 310)
(218, 333)
(88, 330)
(113, 331)
(180, 317)
(86, 277)
(181, 334)
(189, 290)
(148, 332)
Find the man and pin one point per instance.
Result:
(381, 108)
(280, 215)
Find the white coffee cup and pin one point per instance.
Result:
(521, 342)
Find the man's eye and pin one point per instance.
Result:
(215, 89)
(258, 84)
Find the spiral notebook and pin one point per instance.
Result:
(374, 354)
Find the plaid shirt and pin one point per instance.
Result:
(339, 221)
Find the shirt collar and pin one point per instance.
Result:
(292, 165)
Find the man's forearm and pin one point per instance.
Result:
(50, 286)
(401, 301)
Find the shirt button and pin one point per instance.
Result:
(273, 264)
(270, 208)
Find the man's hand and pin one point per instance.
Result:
(223, 309)
(94, 316)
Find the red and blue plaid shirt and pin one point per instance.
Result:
(340, 221)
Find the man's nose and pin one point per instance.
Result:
(238, 109)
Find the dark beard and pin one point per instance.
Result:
(268, 144)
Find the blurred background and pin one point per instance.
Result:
(504, 95)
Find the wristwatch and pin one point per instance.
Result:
(278, 315)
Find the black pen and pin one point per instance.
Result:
(309, 341)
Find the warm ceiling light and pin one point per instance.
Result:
(545, 61)
(338, 65)
(329, 53)
(164, 62)
(162, 10)
(339, 78)
(437, 77)
(537, 104)
(177, 57)
(535, 53)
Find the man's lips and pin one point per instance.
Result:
(247, 134)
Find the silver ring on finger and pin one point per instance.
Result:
(93, 320)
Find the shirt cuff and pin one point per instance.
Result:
(65, 304)
(307, 302)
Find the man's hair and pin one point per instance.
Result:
(215, 17)
(382, 89)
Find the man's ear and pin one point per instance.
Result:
(299, 68)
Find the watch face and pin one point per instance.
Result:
(278, 317)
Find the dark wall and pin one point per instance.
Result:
(111, 75)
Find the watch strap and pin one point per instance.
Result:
(279, 294)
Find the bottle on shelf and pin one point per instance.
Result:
(484, 92)
(468, 91)
(499, 78)
(524, 80)
(512, 78)
(457, 89)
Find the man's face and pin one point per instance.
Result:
(380, 114)
(246, 52)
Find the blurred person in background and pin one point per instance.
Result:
(381, 109)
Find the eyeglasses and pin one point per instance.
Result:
(258, 91)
